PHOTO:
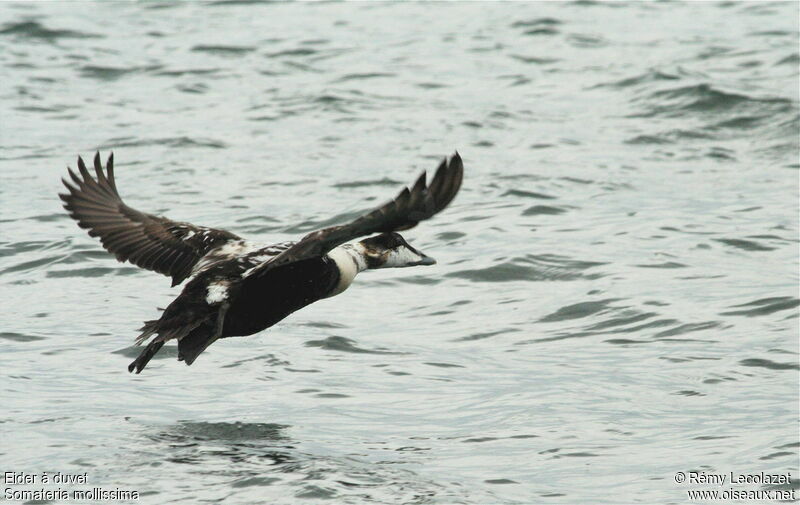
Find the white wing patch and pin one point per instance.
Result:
(244, 253)
(264, 255)
(217, 292)
(234, 248)
(227, 251)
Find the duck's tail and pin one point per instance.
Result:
(156, 327)
(139, 363)
(193, 335)
(149, 328)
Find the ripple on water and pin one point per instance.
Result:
(177, 142)
(648, 77)
(364, 76)
(727, 114)
(37, 31)
(268, 359)
(105, 73)
(544, 267)
(688, 328)
(534, 60)
(578, 310)
(528, 194)
(618, 320)
(92, 272)
(19, 337)
(483, 335)
(539, 210)
(706, 98)
(536, 22)
(80, 256)
(342, 344)
(31, 265)
(666, 264)
(772, 365)
(747, 245)
(223, 50)
(764, 306)
(221, 431)
(385, 181)
(792, 59)
(237, 452)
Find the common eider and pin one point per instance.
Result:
(237, 287)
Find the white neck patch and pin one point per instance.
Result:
(350, 260)
(401, 257)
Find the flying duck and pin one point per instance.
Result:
(237, 287)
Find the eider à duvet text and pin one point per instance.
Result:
(235, 286)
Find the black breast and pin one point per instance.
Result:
(264, 300)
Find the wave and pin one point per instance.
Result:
(707, 99)
(35, 30)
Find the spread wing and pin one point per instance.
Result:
(407, 209)
(152, 242)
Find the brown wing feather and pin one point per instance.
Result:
(410, 207)
(153, 242)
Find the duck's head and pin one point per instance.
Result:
(390, 250)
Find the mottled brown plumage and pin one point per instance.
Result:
(151, 242)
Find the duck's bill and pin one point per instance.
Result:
(406, 256)
(425, 260)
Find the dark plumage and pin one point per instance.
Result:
(404, 212)
(152, 242)
(238, 288)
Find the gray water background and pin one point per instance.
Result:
(616, 298)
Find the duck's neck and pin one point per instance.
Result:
(350, 260)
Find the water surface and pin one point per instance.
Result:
(616, 297)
